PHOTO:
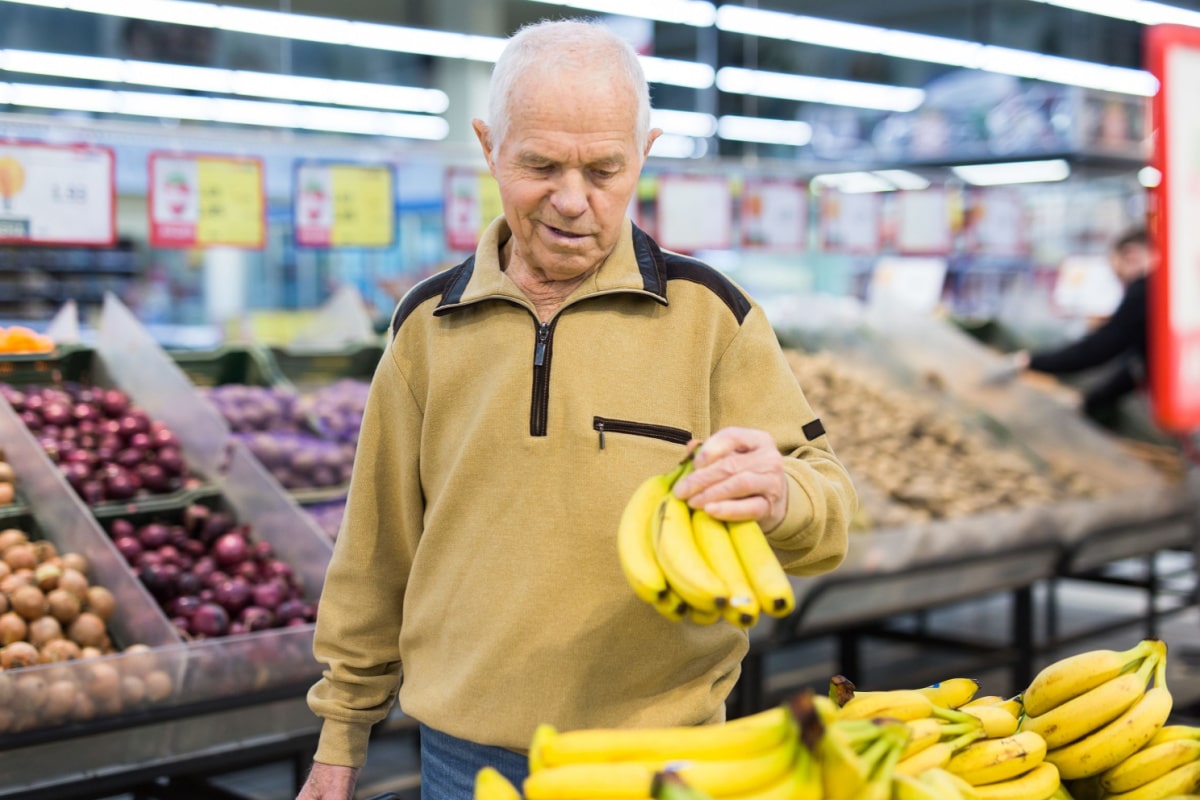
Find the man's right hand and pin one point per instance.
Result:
(329, 782)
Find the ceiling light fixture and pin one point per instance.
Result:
(349, 33)
(737, 80)
(903, 179)
(765, 131)
(225, 81)
(683, 123)
(1014, 172)
(681, 12)
(674, 146)
(1140, 11)
(237, 112)
(853, 182)
(934, 49)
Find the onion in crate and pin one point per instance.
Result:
(210, 620)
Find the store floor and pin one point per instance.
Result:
(1084, 607)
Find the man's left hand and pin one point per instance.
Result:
(738, 475)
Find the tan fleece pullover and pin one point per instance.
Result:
(478, 547)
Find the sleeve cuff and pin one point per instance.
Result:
(799, 512)
(343, 743)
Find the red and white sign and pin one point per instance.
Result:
(850, 222)
(54, 194)
(1173, 55)
(200, 201)
(774, 215)
(694, 212)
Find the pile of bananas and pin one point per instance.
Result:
(1090, 726)
(689, 565)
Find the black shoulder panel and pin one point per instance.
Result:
(433, 286)
(689, 269)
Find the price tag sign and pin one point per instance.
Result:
(694, 213)
(911, 284)
(472, 201)
(202, 201)
(775, 215)
(1173, 55)
(53, 194)
(344, 205)
(1086, 286)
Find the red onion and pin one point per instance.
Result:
(231, 549)
(209, 619)
(129, 547)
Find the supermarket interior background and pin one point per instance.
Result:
(214, 209)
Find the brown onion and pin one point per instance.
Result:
(158, 686)
(12, 628)
(44, 630)
(64, 606)
(87, 630)
(31, 692)
(6, 689)
(60, 650)
(133, 690)
(74, 582)
(11, 536)
(21, 556)
(18, 654)
(16, 580)
(29, 602)
(44, 550)
(76, 562)
(84, 708)
(100, 601)
(60, 699)
(46, 576)
(139, 660)
(102, 682)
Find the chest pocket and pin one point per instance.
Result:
(607, 425)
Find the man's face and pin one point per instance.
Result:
(567, 169)
(1130, 262)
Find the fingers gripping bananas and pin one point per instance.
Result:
(688, 565)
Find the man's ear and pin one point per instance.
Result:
(654, 134)
(484, 134)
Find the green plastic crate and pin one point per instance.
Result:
(244, 364)
(313, 369)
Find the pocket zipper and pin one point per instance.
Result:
(663, 432)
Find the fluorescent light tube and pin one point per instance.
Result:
(674, 146)
(854, 182)
(903, 179)
(224, 81)
(1013, 172)
(683, 123)
(1141, 11)
(736, 80)
(933, 49)
(766, 131)
(681, 12)
(211, 109)
(350, 33)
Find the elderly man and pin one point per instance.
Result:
(524, 395)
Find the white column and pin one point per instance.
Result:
(224, 283)
(466, 81)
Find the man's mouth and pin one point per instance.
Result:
(565, 234)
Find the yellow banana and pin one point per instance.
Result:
(1091, 710)
(900, 704)
(491, 785)
(1072, 676)
(703, 617)
(671, 606)
(741, 776)
(906, 787)
(1039, 783)
(1152, 761)
(740, 738)
(712, 539)
(843, 774)
(771, 584)
(680, 559)
(1116, 741)
(951, 693)
(951, 784)
(635, 543)
(994, 760)
(936, 755)
(585, 781)
(1183, 780)
(984, 700)
(922, 733)
(1014, 706)
(997, 722)
(1169, 733)
(797, 784)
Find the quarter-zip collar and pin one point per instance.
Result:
(636, 266)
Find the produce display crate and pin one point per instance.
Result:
(229, 363)
(315, 368)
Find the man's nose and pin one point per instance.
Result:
(570, 196)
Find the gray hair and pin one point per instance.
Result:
(564, 43)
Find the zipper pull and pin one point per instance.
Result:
(539, 352)
(600, 427)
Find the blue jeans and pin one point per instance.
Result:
(449, 765)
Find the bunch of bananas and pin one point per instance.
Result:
(1094, 709)
(687, 564)
(758, 757)
(957, 745)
